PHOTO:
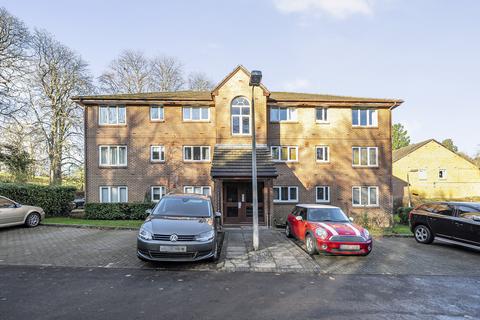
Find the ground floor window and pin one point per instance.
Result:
(322, 193)
(205, 190)
(157, 193)
(365, 196)
(113, 194)
(285, 194)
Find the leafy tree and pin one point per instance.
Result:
(400, 137)
(448, 143)
(18, 162)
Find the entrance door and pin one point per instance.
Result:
(238, 202)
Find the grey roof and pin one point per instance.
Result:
(231, 161)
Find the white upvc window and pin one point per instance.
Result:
(157, 192)
(112, 115)
(156, 113)
(321, 115)
(110, 194)
(196, 153)
(157, 153)
(196, 113)
(442, 174)
(205, 190)
(282, 114)
(113, 156)
(364, 117)
(285, 194)
(365, 156)
(284, 153)
(422, 174)
(322, 153)
(365, 196)
(241, 122)
(322, 194)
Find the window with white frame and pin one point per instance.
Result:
(279, 114)
(365, 196)
(157, 153)
(442, 174)
(322, 153)
(196, 113)
(196, 153)
(114, 156)
(365, 156)
(157, 192)
(364, 118)
(322, 193)
(284, 153)
(156, 113)
(285, 194)
(113, 194)
(205, 190)
(240, 116)
(422, 174)
(112, 115)
(321, 114)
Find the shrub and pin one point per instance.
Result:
(117, 211)
(54, 200)
(402, 214)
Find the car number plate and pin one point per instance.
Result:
(349, 247)
(173, 249)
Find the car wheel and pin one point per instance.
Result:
(423, 234)
(32, 220)
(216, 254)
(288, 231)
(310, 244)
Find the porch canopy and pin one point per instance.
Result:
(236, 162)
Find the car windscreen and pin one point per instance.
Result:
(326, 214)
(183, 207)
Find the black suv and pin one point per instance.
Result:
(455, 222)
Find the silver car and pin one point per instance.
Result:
(181, 227)
(13, 213)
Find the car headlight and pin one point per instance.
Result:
(145, 234)
(321, 233)
(366, 233)
(205, 236)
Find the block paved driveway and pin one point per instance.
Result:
(78, 247)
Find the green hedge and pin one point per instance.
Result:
(117, 211)
(54, 200)
(402, 213)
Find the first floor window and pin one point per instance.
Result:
(205, 190)
(281, 153)
(156, 113)
(322, 153)
(113, 115)
(364, 118)
(113, 194)
(157, 193)
(196, 113)
(196, 153)
(321, 114)
(365, 156)
(113, 155)
(279, 114)
(422, 174)
(157, 153)
(323, 193)
(365, 196)
(442, 174)
(285, 194)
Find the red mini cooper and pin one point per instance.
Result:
(327, 229)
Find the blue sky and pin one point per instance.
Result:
(425, 52)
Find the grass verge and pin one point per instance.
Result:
(94, 223)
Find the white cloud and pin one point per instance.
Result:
(297, 84)
(337, 8)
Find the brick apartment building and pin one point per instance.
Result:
(311, 148)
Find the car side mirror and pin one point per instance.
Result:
(350, 218)
(148, 211)
(299, 218)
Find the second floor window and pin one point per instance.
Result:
(114, 156)
(284, 153)
(322, 154)
(365, 196)
(156, 113)
(196, 153)
(196, 114)
(240, 116)
(280, 114)
(205, 190)
(112, 115)
(364, 118)
(365, 156)
(157, 153)
(321, 115)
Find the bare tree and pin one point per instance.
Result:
(129, 73)
(198, 81)
(166, 74)
(57, 74)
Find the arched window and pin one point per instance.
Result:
(240, 116)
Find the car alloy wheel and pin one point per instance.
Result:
(310, 244)
(287, 231)
(33, 220)
(423, 234)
